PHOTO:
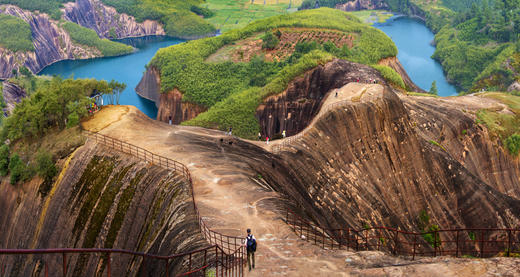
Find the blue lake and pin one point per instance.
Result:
(413, 40)
(127, 69)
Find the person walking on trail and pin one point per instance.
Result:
(283, 134)
(266, 140)
(259, 136)
(336, 93)
(230, 131)
(251, 249)
(170, 120)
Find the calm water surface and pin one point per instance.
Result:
(127, 69)
(413, 40)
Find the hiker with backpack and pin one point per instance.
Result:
(251, 249)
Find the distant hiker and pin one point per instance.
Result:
(358, 80)
(251, 249)
(266, 140)
(170, 120)
(230, 131)
(336, 93)
(283, 134)
(259, 136)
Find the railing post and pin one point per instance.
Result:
(482, 244)
(396, 241)
(435, 244)
(190, 264)
(348, 238)
(323, 238)
(167, 268)
(216, 260)
(64, 264)
(414, 243)
(46, 271)
(457, 244)
(366, 239)
(508, 243)
(109, 265)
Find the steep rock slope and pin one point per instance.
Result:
(107, 22)
(12, 94)
(367, 164)
(294, 109)
(358, 5)
(102, 199)
(51, 44)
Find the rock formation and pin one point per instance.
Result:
(169, 104)
(102, 199)
(358, 5)
(12, 94)
(51, 43)
(107, 22)
(515, 86)
(294, 109)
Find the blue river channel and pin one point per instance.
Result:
(413, 40)
(127, 69)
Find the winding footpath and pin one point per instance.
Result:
(230, 200)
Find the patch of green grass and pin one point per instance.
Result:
(412, 93)
(90, 38)
(50, 7)
(390, 75)
(15, 34)
(433, 142)
(373, 16)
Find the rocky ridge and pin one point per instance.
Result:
(12, 94)
(107, 22)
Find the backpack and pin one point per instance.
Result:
(251, 244)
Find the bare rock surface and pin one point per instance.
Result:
(358, 5)
(12, 94)
(107, 22)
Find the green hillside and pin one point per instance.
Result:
(89, 37)
(232, 90)
(15, 34)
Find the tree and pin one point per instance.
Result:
(17, 168)
(433, 89)
(513, 144)
(4, 160)
(25, 71)
(270, 41)
(45, 165)
(117, 89)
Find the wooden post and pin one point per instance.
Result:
(216, 261)
(167, 268)
(482, 244)
(348, 238)
(435, 244)
(414, 242)
(396, 241)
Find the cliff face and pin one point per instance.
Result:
(293, 109)
(394, 63)
(358, 5)
(12, 94)
(102, 199)
(171, 105)
(107, 22)
(371, 163)
(51, 44)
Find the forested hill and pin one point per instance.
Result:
(477, 40)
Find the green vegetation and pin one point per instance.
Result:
(15, 34)
(373, 16)
(51, 7)
(412, 93)
(236, 14)
(433, 142)
(433, 89)
(4, 160)
(269, 41)
(428, 230)
(232, 91)
(390, 75)
(513, 144)
(45, 165)
(89, 37)
(179, 17)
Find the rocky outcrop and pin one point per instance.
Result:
(394, 63)
(358, 5)
(172, 107)
(51, 44)
(294, 109)
(12, 94)
(107, 22)
(102, 199)
(515, 86)
(368, 163)
(150, 85)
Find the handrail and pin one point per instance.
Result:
(229, 251)
(457, 242)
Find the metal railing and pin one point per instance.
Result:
(474, 242)
(226, 256)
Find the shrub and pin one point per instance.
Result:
(17, 168)
(89, 37)
(45, 165)
(390, 75)
(269, 41)
(4, 160)
(513, 144)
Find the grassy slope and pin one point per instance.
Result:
(15, 34)
(50, 7)
(226, 88)
(89, 37)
